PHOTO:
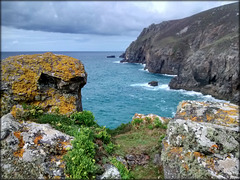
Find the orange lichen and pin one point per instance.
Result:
(182, 113)
(184, 103)
(209, 118)
(38, 138)
(194, 118)
(20, 151)
(213, 148)
(176, 151)
(185, 166)
(198, 154)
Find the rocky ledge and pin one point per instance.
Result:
(202, 142)
(47, 80)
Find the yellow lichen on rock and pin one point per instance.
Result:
(28, 78)
(217, 113)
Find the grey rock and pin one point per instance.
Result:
(157, 159)
(153, 83)
(111, 172)
(8, 124)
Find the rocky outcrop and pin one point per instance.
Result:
(47, 80)
(203, 50)
(153, 83)
(32, 151)
(202, 142)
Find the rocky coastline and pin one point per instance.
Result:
(46, 135)
(202, 50)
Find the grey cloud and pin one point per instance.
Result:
(71, 17)
(102, 18)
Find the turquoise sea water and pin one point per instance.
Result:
(116, 91)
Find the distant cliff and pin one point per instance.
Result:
(203, 50)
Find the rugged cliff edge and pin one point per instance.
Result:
(47, 80)
(203, 50)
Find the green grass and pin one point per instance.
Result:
(141, 141)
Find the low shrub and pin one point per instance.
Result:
(101, 133)
(159, 124)
(80, 162)
(85, 118)
(137, 121)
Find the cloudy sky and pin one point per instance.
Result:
(86, 26)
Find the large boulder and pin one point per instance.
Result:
(32, 151)
(46, 80)
(202, 141)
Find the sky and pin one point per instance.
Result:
(86, 25)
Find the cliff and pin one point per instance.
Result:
(202, 142)
(47, 80)
(202, 50)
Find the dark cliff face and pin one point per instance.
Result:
(203, 50)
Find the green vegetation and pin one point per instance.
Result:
(159, 124)
(161, 138)
(137, 121)
(143, 140)
(124, 172)
(85, 118)
(94, 145)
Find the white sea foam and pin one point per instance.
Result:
(117, 62)
(169, 75)
(182, 91)
(151, 88)
(146, 70)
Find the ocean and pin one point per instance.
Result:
(116, 91)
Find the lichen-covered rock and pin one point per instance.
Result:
(202, 141)
(31, 150)
(46, 80)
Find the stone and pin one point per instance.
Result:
(157, 159)
(153, 83)
(112, 56)
(8, 124)
(202, 50)
(32, 150)
(111, 172)
(45, 80)
(202, 141)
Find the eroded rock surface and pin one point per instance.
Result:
(202, 141)
(46, 80)
(202, 50)
(32, 151)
